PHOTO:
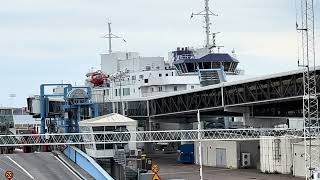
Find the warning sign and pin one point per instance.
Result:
(8, 175)
(156, 177)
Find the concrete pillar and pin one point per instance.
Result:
(245, 118)
(148, 147)
(227, 122)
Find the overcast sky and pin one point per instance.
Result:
(44, 41)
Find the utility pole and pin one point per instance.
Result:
(200, 145)
(310, 100)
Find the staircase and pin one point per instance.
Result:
(121, 159)
(211, 76)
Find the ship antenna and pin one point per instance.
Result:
(206, 13)
(110, 36)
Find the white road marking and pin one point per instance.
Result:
(24, 170)
(76, 175)
(14, 167)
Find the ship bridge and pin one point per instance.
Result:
(187, 62)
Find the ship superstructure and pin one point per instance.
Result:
(129, 76)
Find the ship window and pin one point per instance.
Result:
(151, 89)
(134, 90)
(226, 66)
(172, 73)
(207, 65)
(126, 91)
(133, 77)
(160, 75)
(106, 92)
(160, 88)
(116, 92)
(192, 87)
(141, 76)
(146, 80)
(148, 68)
(175, 88)
(167, 74)
(190, 67)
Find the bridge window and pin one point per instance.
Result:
(190, 67)
(207, 65)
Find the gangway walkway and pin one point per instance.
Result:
(153, 136)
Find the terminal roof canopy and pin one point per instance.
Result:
(112, 119)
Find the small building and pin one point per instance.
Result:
(113, 123)
(299, 163)
(25, 124)
(229, 154)
(276, 154)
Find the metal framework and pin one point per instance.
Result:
(275, 89)
(310, 99)
(152, 136)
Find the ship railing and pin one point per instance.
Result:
(185, 56)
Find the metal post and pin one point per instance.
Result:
(77, 120)
(200, 148)
(42, 109)
(207, 20)
(109, 26)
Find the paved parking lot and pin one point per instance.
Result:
(170, 170)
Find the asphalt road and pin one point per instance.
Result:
(38, 166)
(171, 170)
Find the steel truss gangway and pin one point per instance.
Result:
(153, 136)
